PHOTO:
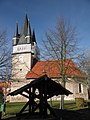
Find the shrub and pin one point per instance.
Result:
(79, 102)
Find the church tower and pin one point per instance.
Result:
(25, 51)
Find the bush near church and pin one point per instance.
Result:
(79, 102)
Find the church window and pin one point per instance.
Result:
(80, 88)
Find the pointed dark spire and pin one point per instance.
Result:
(29, 29)
(33, 37)
(16, 32)
(26, 17)
(16, 35)
(25, 26)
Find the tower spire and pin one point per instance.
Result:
(29, 29)
(16, 32)
(29, 36)
(34, 38)
(25, 26)
(16, 35)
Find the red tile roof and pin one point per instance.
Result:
(5, 84)
(52, 69)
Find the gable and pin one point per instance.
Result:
(22, 39)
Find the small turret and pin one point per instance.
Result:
(16, 36)
(16, 33)
(33, 37)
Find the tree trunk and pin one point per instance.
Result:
(62, 102)
(62, 96)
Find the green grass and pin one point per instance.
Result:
(70, 105)
(13, 108)
(67, 105)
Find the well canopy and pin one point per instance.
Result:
(51, 87)
(47, 88)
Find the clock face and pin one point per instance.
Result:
(22, 48)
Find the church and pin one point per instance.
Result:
(27, 66)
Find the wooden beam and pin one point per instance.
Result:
(27, 91)
(29, 100)
(23, 108)
(37, 106)
(24, 95)
(51, 110)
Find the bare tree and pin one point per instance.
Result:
(5, 57)
(84, 63)
(61, 44)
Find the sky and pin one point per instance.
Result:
(43, 15)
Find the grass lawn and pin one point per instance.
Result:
(13, 108)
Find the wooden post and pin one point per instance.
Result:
(41, 100)
(45, 97)
(30, 100)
